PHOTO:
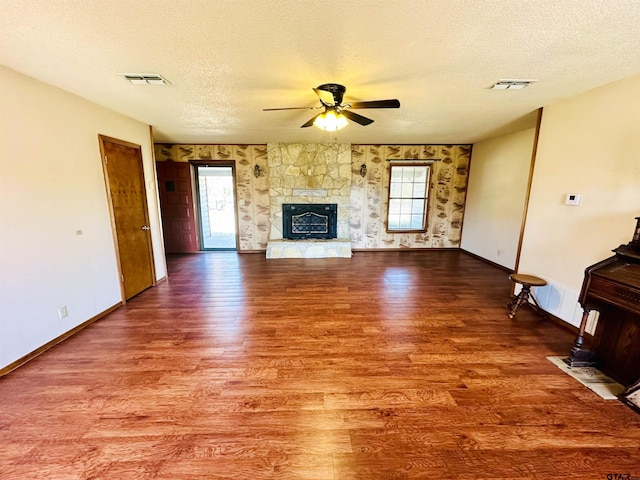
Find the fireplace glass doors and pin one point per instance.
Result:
(306, 221)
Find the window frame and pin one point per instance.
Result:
(426, 197)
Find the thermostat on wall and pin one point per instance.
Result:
(572, 199)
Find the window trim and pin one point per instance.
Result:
(427, 164)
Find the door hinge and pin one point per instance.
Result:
(105, 159)
(122, 277)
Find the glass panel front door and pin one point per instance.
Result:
(217, 207)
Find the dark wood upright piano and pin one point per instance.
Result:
(612, 287)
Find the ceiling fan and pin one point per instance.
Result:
(336, 113)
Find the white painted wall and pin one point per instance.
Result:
(589, 144)
(496, 197)
(52, 186)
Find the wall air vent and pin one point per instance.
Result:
(145, 78)
(511, 84)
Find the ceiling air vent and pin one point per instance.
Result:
(145, 78)
(512, 84)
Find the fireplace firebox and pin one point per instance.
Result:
(301, 221)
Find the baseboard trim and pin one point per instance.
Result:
(497, 265)
(29, 356)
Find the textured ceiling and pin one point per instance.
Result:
(227, 60)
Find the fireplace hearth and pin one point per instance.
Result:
(302, 221)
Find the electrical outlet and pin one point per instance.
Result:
(62, 312)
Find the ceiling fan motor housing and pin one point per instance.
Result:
(336, 90)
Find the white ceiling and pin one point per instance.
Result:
(228, 59)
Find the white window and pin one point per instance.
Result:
(408, 194)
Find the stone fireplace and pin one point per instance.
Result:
(314, 176)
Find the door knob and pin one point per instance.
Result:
(146, 227)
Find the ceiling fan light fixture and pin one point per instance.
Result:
(330, 121)
(337, 115)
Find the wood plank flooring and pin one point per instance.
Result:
(398, 365)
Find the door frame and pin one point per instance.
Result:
(101, 140)
(196, 192)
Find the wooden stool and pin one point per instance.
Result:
(527, 281)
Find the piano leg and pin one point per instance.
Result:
(578, 356)
(631, 395)
(634, 387)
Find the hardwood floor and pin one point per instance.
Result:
(399, 365)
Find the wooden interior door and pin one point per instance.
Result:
(176, 202)
(124, 176)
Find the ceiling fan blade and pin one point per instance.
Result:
(310, 122)
(289, 108)
(394, 103)
(356, 117)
